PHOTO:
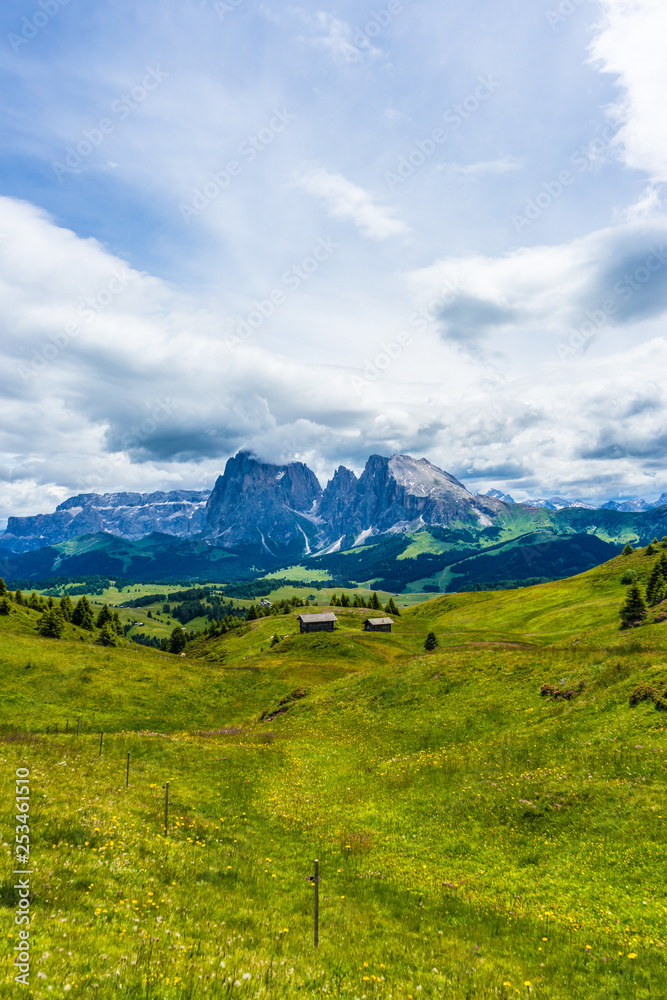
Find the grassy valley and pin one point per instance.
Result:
(488, 817)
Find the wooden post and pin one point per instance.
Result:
(317, 904)
(101, 735)
(127, 779)
(166, 808)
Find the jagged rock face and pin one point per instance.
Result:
(401, 493)
(270, 506)
(130, 515)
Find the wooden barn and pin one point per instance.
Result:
(318, 623)
(378, 624)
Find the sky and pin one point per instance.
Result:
(320, 232)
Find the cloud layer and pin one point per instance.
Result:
(223, 263)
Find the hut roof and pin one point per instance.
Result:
(328, 616)
(379, 621)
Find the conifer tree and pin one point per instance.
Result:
(117, 624)
(83, 615)
(34, 602)
(5, 606)
(66, 607)
(344, 601)
(19, 598)
(390, 607)
(252, 613)
(333, 603)
(650, 551)
(431, 642)
(51, 624)
(357, 602)
(633, 609)
(655, 588)
(374, 602)
(662, 563)
(628, 550)
(105, 616)
(177, 641)
(108, 636)
(3, 588)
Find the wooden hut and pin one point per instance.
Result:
(318, 623)
(378, 624)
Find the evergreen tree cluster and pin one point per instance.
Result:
(636, 605)
(55, 614)
(373, 603)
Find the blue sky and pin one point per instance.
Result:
(324, 231)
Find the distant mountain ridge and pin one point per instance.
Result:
(559, 503)
(403, 520)
(129, 515)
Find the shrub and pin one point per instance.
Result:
(641, 693)
(5, 606)
(629, 577)
(628, 550)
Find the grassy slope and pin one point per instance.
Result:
(459, 818)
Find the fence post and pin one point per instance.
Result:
(101, 735)
(317, 904)
(166, 808)
(127, 779)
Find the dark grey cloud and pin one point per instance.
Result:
(467, 318)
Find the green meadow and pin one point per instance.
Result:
(476, 838)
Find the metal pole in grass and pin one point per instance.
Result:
(101, 736)
(127, 779)
(166, 808)
(317, 904)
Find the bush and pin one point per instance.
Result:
(629, 577)
(628, 550)
(641, 693)
(5, 606)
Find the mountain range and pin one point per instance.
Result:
(559, 503)
(403, 521)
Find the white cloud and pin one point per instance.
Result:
(345, 200)
(618, 275)
(504, 165)
(338, 38)
(631, 45)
